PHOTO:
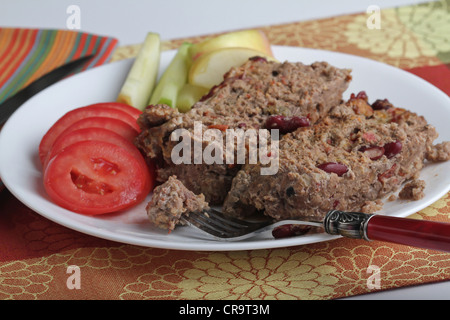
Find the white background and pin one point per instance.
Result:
(130, 20)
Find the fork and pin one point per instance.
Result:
(356, 225)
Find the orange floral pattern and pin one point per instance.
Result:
(24, 279)
(409, 36)
(264, 274)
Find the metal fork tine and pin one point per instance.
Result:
(192, 219)
(214, 214)
(201, 221)
(215, 223)
(212, 221)
(228, 228)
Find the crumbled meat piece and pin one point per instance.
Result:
(156, 115)
(150, 140)
(413, 190)
(439, 152)
(360, 106)
(381, 104)
(372, 206)
(392, 197)
(170, 201)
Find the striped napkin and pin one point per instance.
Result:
(28, 54)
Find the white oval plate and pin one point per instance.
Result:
(20, 137)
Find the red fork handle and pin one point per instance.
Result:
(411, 232)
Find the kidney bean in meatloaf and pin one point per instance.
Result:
(245, 99)
(349, 161)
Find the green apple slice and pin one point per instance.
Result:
(173, 78)
(208, 70)
(188, 96)
(141, 79)
(252, 39)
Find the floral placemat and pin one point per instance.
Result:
(42, 260)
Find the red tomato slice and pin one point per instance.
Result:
(96, 177)
(115, 125)
(78, 114)
(132, 111)
(65, 139)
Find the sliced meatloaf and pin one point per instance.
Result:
(351, 160)
(245, 99)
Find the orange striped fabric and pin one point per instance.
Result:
(27, 54)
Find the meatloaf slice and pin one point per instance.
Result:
(349, 161)
(170, 201)
(247, 96)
